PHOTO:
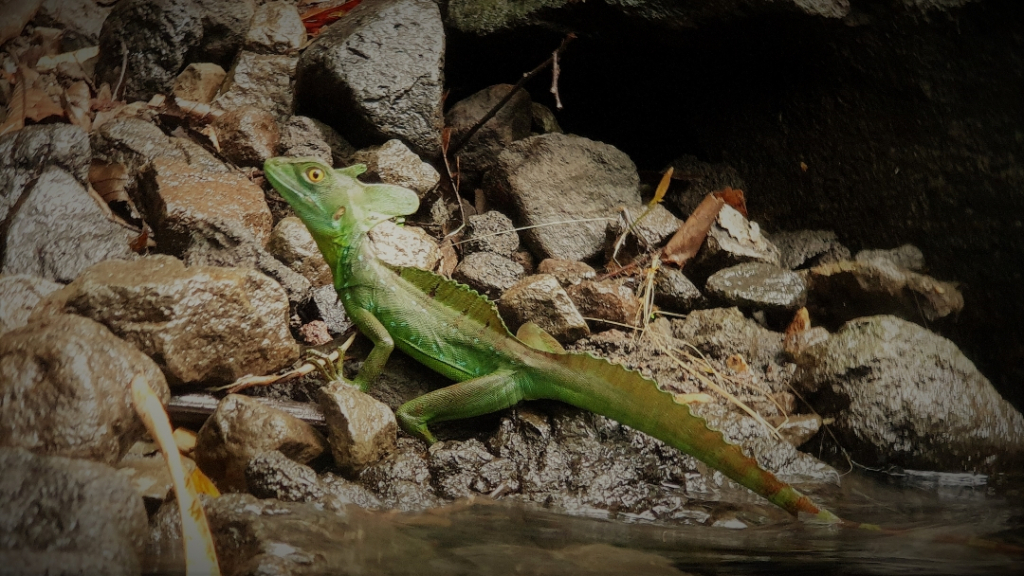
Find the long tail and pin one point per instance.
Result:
(611, 390)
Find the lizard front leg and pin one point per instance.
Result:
(495, 391)
(383, 345)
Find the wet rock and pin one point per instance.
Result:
(248, 136)
(644, 234)
(393, 163)
(797, 428)
(674, 291)
(19, 293)
(488, 273)
(402, 480)
(902, 395)
(361, 430)
(199, 82)
(758, 285)
(511, 123)
(291, 243)
(404, 246)
(807, 248)
(201, 324)
(605, 300)
(276, 29)
(225, 23)
(877, 285)
(704, 178)
(525, 259)
(330, 310)
(156, 35)
(734, 240)
(907, 256)
(81, 20)
(542, 300)
(491, 231)
(66, 515)
(259, 80)
(543, 119)
(149, 475)
(179, 201)
(243, 427)
(27, 152)
(305, 137)
(534, 175)
(271, 474)
(722, 332)
(463, 469)
(567, 272)
(66, 383)
(377, 74)
(61, 230)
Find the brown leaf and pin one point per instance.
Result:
(109, 180)
(687, 240)
(76, 106)
(801, 323)
(734, 198)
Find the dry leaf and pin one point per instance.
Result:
(28, 103)
(801, 323)
(737, 364)
(659, 194)
(109, 180)
(77, 104)
(48, 63)
(734, 198)
(687, 240)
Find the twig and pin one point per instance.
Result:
(554, 79)
(124, 66)
(497, 107)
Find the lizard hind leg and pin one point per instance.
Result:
(495, 391)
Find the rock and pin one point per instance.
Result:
(202, 324)
(259, 80)
(404, 246)
(81, 20)
(464, 469)
(907, 256)
(511, 123)
(704, 179)
(291, 243)
(543, 119)
(149, 475)
(19, 293)
(199, 82)
(248, 136)
(68, 516)
(567, 272)
(491, 231)
(225, 24)
(533, 177)
(488, 273)
(25, 153)
(402, 480)
(61, 230)
(758, 285)
(797, 428)
(180, 201)
(276, 29)
(66, 384)
(722, 332)
(378, 74)
(393, 163)
(542, 300)
(305, 137)
(243, 427)
(605, 300)
(733, 240)
(650, 232)
(330, 310)
(361, 430)
(271, 474)
(525, 259)
(674, 291)
(156, 35)
(901, 395)
(807, 248)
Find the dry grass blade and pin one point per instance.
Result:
(687, 240)
(200, 555)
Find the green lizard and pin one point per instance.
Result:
(458, 333)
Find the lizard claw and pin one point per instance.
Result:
(331, 369)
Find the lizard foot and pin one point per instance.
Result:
(331, 369)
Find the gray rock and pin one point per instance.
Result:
(733, 240)
(19, 293)
(544, 120)
(66, 382)
(488, 273)
(540, 299)
(491, 231)
(276, 29)
(674, 291)
(511, 123)
(902, 395)
(248, 136)
(402, 480)
(907, 256)
(644, 232)
(704, 178)
(225, 24)
(361, 430)
(605, 300)
(534, 176)
(466, 468)
(330, 310)
(68, 516)
(202, 324)
(242, 428)
(805, 248)
(567, 272)
(271, 474)
(758, 285)
(260, 80)
(302, 136)
(81, 20)
(156, 35)
(25, 154)
(60, 230)
(721, 332)
(377, 74)
(393, 163)
(199, 82)
(291, 243)
(404, 246)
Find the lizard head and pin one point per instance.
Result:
(331, 202)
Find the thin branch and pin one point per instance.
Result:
(522, 81)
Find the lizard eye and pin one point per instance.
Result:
(314, 175)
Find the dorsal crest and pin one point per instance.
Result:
(458, 297)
